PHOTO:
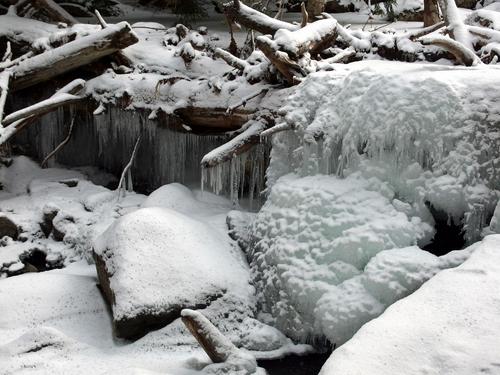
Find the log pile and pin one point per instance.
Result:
(62, 53)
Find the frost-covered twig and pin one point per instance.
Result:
(422, 32)
(60, 146)
(232, 60)
(463, 54)
(4, 81)
(281, 127)
(127, 168)
(244, 101)
(101, 20)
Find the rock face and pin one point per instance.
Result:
(153, 263)
(8, 228)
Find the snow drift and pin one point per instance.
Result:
(450, 325)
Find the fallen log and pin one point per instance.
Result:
(255, 20)
(249, 137)
(227, 357)
(213, 120)
(456, 27)
(70, 89)
(72, 55)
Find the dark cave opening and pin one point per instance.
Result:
(449, 235)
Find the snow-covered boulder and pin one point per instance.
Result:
(450, 325)
(154, 262)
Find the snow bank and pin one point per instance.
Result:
(450, 325)
(314, 260)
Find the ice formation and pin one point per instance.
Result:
(375, 160)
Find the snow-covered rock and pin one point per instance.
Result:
(450, 325)
(154, 262)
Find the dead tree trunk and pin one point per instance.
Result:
(431, 13)
(51, 9)
(315, 7)
(72, 55)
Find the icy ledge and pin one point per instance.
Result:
(450, 325)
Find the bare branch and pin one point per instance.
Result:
(127, 168)
(244, 101)
(275, 129)
(60, 146)
(100, 19)
(463, 54)
(232, 60)
(305, 15)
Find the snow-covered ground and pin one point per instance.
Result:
(450, 325)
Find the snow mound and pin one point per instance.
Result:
(317, 232)
(157, 261)
(450, 325)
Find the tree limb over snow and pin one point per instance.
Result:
(463, 54)
(255, 20)
(239, 144)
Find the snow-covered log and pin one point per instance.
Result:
(73, 55)
(313, 38)
(216, 345)
(232, 60)
(49, 8)
(203, 119)
(37, 110)
(255, 20)
(41, 108)
(463, 54)
(290, 70)
(458, 30)
(249, 137)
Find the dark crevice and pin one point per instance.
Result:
(449, 234)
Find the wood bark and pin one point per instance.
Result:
(215, 344)
(72, 55)
(49, 8)
(315, 7)
(213, 120)
(431, 13)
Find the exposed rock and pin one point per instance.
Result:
(62, 224)
(8, 228)
(238, 224)
(49, 213)
(153, 263)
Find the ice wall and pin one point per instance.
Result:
(166, 152)
(375, 154)
(431, 133)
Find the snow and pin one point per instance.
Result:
(175, 251)
(449, 325)
(368, 121)
(316, 241)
